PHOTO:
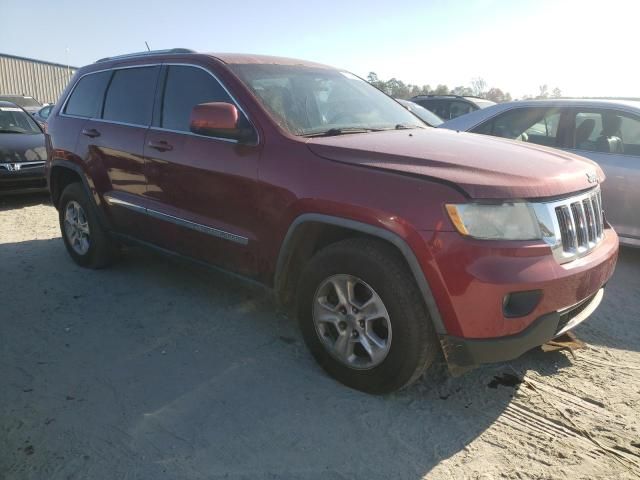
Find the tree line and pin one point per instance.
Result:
(478, 88)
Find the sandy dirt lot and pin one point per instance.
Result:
(158, 369)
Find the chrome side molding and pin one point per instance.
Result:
(182, 222)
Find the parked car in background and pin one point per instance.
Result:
(422, 113)
(451, 106)
(29, 104)
(605, 131)
(22, 151)
(389, 240)
(42, 115)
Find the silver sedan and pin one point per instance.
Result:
(605, 131)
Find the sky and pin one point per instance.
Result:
(585, 48)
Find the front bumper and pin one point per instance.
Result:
(23, 180)
(461, 352)
(472, 281)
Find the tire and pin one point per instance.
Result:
(99, 250)
(405, 329)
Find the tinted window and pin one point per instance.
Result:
(130, 95)
(185, 88)
(438, 107)
(458, 108)
(534, 125)
(446, 109)
(607, 131)
(86, 98)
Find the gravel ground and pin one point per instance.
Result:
(157, 369)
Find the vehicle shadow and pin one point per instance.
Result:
(162, 368)
(11, 202)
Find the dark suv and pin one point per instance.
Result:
(451, 106)
(390, 241)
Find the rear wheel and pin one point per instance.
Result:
(85, 239)
(363, 318)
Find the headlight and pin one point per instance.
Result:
(507, 221)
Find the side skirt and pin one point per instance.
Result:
(131, 241)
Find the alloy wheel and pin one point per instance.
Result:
(352, 322)
(76, 228)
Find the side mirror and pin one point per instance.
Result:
(218, 119)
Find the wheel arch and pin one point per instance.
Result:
(310, 232)
(63, 172)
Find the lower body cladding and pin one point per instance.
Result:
(22, 177)
(501, 299)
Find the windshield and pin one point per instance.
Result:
(425, 115)
(15, 120)
(309, 100)
(22, 101)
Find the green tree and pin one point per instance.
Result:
(496, 95)
(441, 90)
(462, 91)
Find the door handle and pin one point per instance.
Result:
(90, 132)
(161, 146)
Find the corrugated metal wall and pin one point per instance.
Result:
(42, 80)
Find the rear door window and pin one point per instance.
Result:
(86, 98)
(607, 131)
(130, 96)
(185, 88)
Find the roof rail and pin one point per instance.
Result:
(144, 54)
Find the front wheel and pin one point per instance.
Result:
(363, 318)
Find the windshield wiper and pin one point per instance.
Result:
(8, 130)
(333, 132)
(406, 126)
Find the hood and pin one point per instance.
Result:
(484, 167)
(22, 147)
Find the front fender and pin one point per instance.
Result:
(402, 243)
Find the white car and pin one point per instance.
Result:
(422, 113)
(605, 131)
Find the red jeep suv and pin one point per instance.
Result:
(391, 241)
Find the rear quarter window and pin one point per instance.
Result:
(86, 97)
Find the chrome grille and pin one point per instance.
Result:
(20, 166)
(580, 223)
(574, 225)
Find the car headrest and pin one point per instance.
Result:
(611, 124)
(584, 130)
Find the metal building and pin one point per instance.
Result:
(43, 81)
